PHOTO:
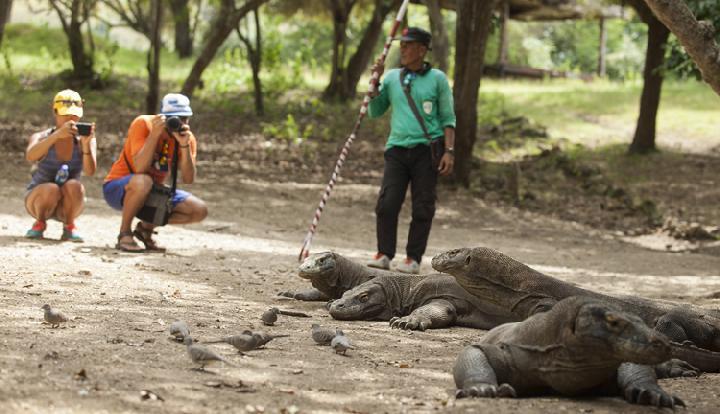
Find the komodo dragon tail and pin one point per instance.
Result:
(702, 359)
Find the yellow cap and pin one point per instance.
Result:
(68, 102)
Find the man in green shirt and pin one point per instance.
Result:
(416, 152)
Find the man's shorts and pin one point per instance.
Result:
(114, 192)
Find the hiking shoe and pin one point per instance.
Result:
(37, 230)
(380, 261)
(70, 234)
(408, 266)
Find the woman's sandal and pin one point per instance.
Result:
(145, 236)
(128, 246)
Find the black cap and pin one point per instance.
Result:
(416, 34)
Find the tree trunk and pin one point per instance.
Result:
(473, 28)
(183, 32)
(602, 49)
(696, 37)
(440, 42)
(503, 48)
(83, 62)
(255, 58)
(361, 58)
(153, 59)
(225, 22)
(644, 139)
(341, 14)
(5, 9)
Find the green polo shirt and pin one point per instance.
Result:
(431, 93)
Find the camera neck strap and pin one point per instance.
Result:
(174, 164)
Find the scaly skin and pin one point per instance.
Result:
(417, 303)
(498, 279)
(332, 275)
(581, 346)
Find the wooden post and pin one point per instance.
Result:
(602, 50)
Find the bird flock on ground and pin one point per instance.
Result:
(247, 340)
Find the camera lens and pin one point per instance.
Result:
(174, 124)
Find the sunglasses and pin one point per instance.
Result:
(69, 103)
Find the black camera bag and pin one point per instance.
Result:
(158, 205)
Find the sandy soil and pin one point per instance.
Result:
(220, 276)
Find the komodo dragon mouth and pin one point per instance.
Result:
(365, 303)
(625, 334)
(317, 265)
(452, 259)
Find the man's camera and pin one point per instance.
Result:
(174, 124)
(84, 128)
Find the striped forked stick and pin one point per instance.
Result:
(305, 251)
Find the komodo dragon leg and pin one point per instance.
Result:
(475, 377)
(438, 313)
(307, 295)
(638, 384)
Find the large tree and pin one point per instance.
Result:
(145, 17)
(644, 138)
(344, 77)
(226, 20)
(440, 41)
(253, 45)
(5, 8)
(73, 14)
(698, 38)
(474, 19)
(183, 28)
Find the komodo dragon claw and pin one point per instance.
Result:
(487, 391)
(409, 323)
(652, 395)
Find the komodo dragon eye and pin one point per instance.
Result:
(364, 297)
(613, 320)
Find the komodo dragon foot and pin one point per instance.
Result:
(487, 391)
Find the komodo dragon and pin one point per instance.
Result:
(417, 303)
(500, 280)
(581, 346)
(332, 275)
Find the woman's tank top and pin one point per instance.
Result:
(44, 170)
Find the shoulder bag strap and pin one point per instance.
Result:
(174, 165)
(411, 102)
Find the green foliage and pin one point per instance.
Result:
(678, 61)
(573, 46)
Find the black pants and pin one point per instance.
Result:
(405, 166)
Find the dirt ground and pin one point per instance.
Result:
(220, 275)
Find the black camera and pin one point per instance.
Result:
(174, 124)
(84, 128)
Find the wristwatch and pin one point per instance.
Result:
(450, 150)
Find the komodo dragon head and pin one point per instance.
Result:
(599, 326)
(319, 265)
(463, 260)
(365, 302)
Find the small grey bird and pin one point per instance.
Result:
(53, 317)
(340, 343)
(179, 330)
(322, 336)
(243, 342)
(264, 338)
(269, 317)
(202, 355)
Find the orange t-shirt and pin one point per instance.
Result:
(161, 165)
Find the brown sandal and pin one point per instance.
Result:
(145, 236)
(128, 246)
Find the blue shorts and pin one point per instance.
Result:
(114, 192)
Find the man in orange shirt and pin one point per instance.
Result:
(146, 158)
